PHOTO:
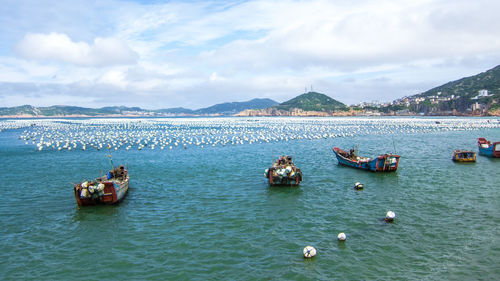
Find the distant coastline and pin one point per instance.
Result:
(255, 113)
(351, 112)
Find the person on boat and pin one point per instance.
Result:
(282, 160)
(120, 173)
(117, 172)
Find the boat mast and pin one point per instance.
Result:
(110, 159)
(394, 145)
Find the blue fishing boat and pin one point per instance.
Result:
(487, 148)
(382, 163)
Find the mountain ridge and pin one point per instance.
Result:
(488, 80)
(306, 104)
(312, 101)
(231, 108)
(473, 95)
(70, 110)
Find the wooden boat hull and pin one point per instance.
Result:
(382, 163)
(114, 192)
(487, 148)
(467, 160)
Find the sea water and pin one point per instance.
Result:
(203, 210)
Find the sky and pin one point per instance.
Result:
(194, 54)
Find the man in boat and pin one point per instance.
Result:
(281, 161)
(121, 172)
(351, 153)
(118, 172)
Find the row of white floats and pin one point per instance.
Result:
(169, 133)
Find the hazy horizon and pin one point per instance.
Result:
(195, 54)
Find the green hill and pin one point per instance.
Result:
(230, 108)
(469, 86)
(18, 110)
(313, 101)
(175, 111)
(64, 110)
(483, 89)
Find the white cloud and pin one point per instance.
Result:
(16, 70)
(181, 53)
(369, 33)
(214, 77)
(114, 77)
(59, 47)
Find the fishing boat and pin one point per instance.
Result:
(487, 148)
(464, 156)
(108, 189)
(382, 163)
(283, 172)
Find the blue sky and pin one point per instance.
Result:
(161, 54)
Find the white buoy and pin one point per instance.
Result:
(309, 252)
(342, 236)
(389, 217)
(358, 185)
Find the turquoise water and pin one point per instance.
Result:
(208, 213)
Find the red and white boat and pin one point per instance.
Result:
(108, 189)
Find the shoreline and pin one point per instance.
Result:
(243, 115)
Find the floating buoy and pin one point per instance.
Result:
(358, 185)
(389, 217)
(342, 236)
(309, 252)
